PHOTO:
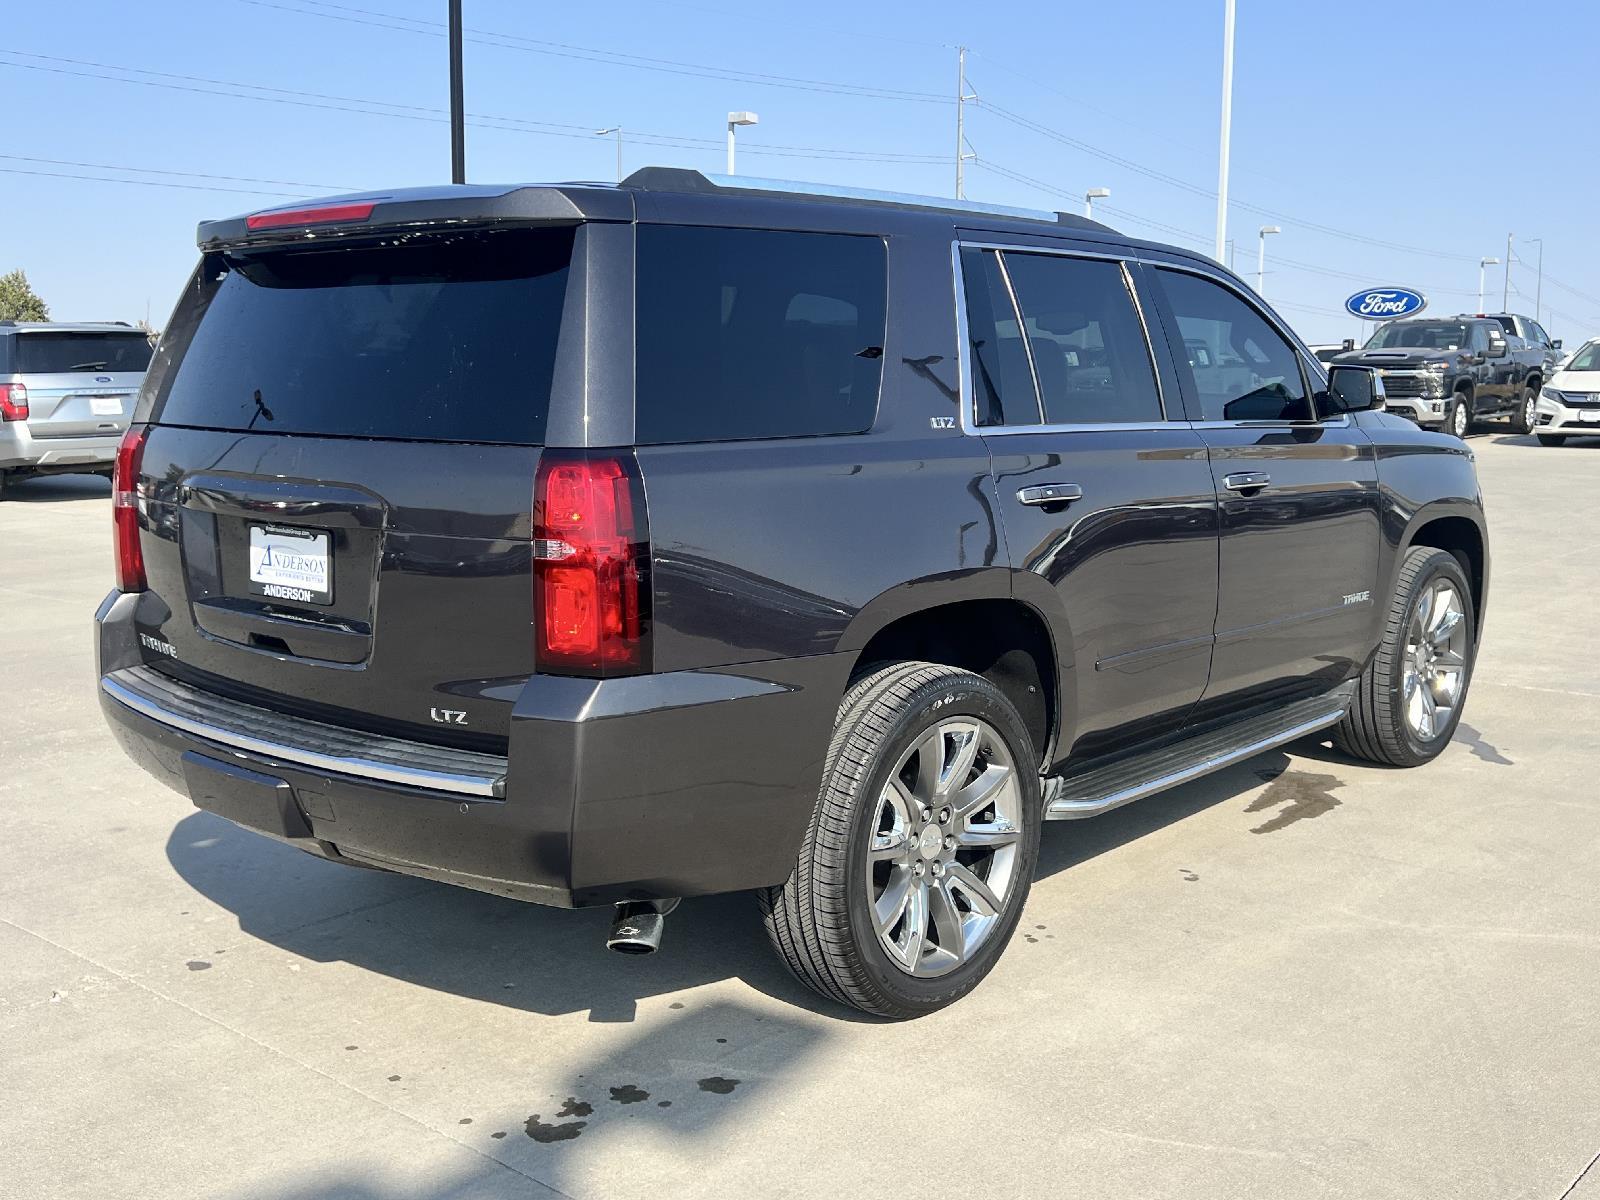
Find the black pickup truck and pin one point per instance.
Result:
(609, 545)
(1450, 372)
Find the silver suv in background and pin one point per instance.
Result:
(66, 394)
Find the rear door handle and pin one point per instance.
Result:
(1050, 493)
(1246, 481)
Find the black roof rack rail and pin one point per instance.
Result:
(683, 179)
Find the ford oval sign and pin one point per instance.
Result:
(1385, 304)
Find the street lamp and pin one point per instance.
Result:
(735, 119)
(1090, 197)
(615, 129)
(1482, 263)
(1261, 259)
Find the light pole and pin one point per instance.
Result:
(615, 129)
(1227, 123)
(1090, 197)
(1505, 288)
(1482, 263)
(1261, 259)
(735, 119)
(458, 120)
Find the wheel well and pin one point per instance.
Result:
(1461, 538)
(1534, 380)
(1463, 385)
(1005, 641)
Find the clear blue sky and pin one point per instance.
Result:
(1432, 125)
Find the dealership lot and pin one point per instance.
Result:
(1299, 977)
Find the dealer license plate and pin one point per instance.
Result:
(290, 564)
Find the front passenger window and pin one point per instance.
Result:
(1241, 367)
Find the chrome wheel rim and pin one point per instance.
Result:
(1530, 413)
(1458, 419)
(1436, 659)
(943, 846)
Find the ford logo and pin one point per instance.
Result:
(102, 379)
(1385, 304)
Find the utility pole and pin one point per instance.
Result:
(1227, 128)
(1230, 254)
(962, 97)
(458, 121)
(1505, 287)
(1538, 288)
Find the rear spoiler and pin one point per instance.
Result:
(418, 209)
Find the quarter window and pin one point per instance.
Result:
(1002, 382)
(754, 333)
(1241, 368)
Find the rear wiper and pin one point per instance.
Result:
(88, 366)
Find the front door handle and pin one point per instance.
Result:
(1246, 481)
(1050, 493)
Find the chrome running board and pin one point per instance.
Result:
(1073, 797)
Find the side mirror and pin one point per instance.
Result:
(1556, 345)
(1354, 389)
(1498, 348)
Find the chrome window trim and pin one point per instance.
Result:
(1022, 333)
(967, 392)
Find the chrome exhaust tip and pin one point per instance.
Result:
(636, 929)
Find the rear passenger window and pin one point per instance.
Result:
(1241, 367)
(1088, 344)
(751, 333)
(1002, 382)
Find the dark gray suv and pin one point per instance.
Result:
(610, 545)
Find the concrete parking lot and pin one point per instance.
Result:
(1302, 977)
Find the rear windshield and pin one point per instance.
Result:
(62, 353)
(441, 338)
(753, 333)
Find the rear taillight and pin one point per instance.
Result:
(591, 555)
(125, 510)
(13, 402)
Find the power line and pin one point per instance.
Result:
(189, 187)
(383, 20)
(58, 162)
(370, 107)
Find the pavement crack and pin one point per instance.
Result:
(1582, 1175)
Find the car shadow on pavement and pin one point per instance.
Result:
(1591, 442)
(469, 943)
(550, 960)
(53, 489)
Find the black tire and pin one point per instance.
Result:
(819, 920)
(1523, 420)
(3, 475)
(1375, 727)
(1551, 439)
(1459, 419)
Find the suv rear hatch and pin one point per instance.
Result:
(81, 382)
(345, 433)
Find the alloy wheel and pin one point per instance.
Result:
(1435, 674)
(942, 856)
(1460, 418)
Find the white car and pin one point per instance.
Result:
(1569, 404)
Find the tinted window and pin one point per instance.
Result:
(446, 338)
(750, 333)
(1242, 369)
(1539, 335)
(1002, 383)
(1088, 345)
(55, 353)
(1425, 335)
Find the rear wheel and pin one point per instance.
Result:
(922, 847)
(1460, 418)
(1526, 416)
(1408, 700)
